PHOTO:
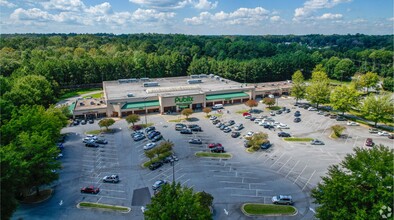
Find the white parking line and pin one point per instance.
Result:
(112, 190)
(180, 177)
(300, 174)
(232, 182)
(292, 169)
(223, 176)
(277, 160)
(285, 164)
(185, 182)
(355, 141)
(251, 196)
(237, 188)
(111, 197)
(308, 180)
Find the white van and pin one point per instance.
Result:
(217, 106)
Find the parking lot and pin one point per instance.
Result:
(289, 168)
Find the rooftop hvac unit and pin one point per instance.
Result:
(128, 80)
(211, 75)
(144, 79)
(151, 84)
(194, 76)
(194, 81)
(203, 75)
(130, 94)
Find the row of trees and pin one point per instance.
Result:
(377, 108)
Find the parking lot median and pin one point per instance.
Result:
(297, 139)
(215, 155)
(256, 209)
(106, 207)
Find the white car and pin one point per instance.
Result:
(352, 123)
(383, 133)
(91, 136)
(149, 146)
(258, 120)
(312, 109)
(282, 126)
(250, 134)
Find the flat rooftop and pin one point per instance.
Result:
(168, 87)
(90, 103)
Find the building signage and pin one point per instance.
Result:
(182, 101)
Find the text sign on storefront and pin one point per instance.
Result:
(183, 100)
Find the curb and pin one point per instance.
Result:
(43, 200)
(259, 215)
(105, 209)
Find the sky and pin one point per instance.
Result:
(198, 17)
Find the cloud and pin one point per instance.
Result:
(104, 8)
(311, 6)
(205, 5)
(390, 19)
(151, 15)
(329, 16)
(245, 16)
(161, 4)
(275, 18)
(64, 5)
(7, 4)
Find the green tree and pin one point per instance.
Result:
(187, 112)
(344, 69)
(369, 80)
(106, 122)
(207, 110)
(378, 108)
(133, 118)
(150, 154)
(205, 199)
(257, 140)
(318, 91)
(388, 84)
(358, 187)
(269, 101)
(298, 89)
(251, 103)
(344, 98)
(176, 203)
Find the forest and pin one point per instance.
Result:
(76, 59)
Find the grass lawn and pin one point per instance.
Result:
(209, 154)
(94, 132)
(78, 92)
(242, 111)
(95, 95)
(298, 139)
(104, 206)
(274, 108)
(177, 120)
(267, 209)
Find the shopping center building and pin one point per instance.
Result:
(168, 95)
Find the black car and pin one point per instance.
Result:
(297, 114)
(155, 165)
(157, 138)
(278, 112)
(215, 121)
(195, 141)
(268, 126)
(101, 141)
(76, 122)
(283, 134)
(91, 144)
(91, 121)
(196, 128)
(235, 134)
(83, 122)
(151, 128)
(266, 145)
(296, 120)
(339, 118)
(192, 126)
(217, 150)
(186, 131)
(288, 110)
(154, 134)
(138, 137)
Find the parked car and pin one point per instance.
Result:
(157, 138)
(90, 189)
(75, 122)
(266, 145)
(297, 119)
(288, 110)
(317, 142)
(352, 123)
(159, 184)
(282, 126)
(139, 137)
(196, 128)
(283, 134)
(170, 158)
(222, 127)
(333, 116)
(186, 131)
(248, 117)
(320, 113)
(278, 112)
(369, 142)
(239, 127)
(213, 145)
(312, 109)
(252, 118)
(227, 130)
(246, 144)
(373, 130)
(383, 133)
(195, 141)
(111, 179)
(213, 117)
(245, 114)
(101, 141)
(235, 134)
(215, 121)
(339, 118)
(272, 113)
(179, 127)
(391, 136)
(153, 134)
(249, 134)
(217, 150)
(283, 200)
(297, 114)
(155, 165)
(151, 128)
(327, 114)
(231, 122)
(91, 144)
(219, 125)
(149, 146)
(83, 122)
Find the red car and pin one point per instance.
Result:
(245, 114)
(90, 189)
(369, 142)
(214, 145)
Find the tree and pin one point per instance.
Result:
(298, 89)
(369, 80)
(251, 103)
(257, 140)
(358, 187)
(187, 112)
(177, 203)
(133, 118)
(388, 84)
(207, 110)
(106, 122)
(205, 199)
(318, 91)
(269, 101)
(344, 98)
(344, 69)
(150, 154)
(377, 108)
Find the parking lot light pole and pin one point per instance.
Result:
(172, 162)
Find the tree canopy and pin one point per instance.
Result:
(344, 98)
(359, 187)
(378, 108)
(318, 91)
(299, 87)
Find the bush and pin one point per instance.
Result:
(136, 127)
(337, 130)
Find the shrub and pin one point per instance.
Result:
(337, 130)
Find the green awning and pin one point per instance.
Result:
(227, 96)
(141, 105)
(71, 107)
